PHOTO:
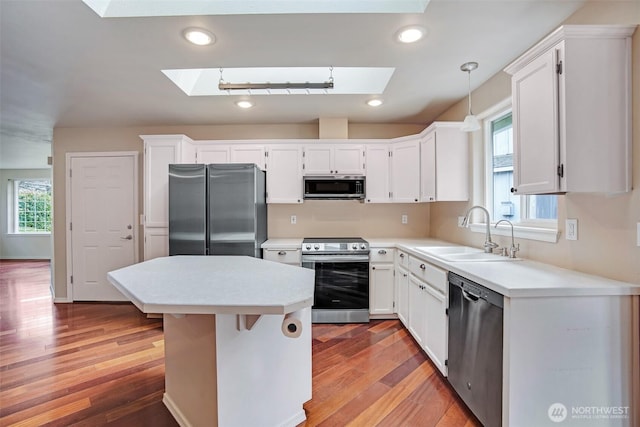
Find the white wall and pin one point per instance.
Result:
(19, 246)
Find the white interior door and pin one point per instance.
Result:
(102, 227)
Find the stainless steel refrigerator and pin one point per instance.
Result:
(217, 209)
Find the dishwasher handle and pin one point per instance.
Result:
(469, 296)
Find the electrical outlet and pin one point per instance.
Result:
(460, 221)
(294, 219)
(571, 229)
(405, 219)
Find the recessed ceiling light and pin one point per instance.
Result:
(244, 104)
(199, 36)
(374, 102)
(411, 34)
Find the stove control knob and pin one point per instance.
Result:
(316, 247)
(354, 246)
(363, 246)
(308, 247)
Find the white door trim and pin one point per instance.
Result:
(67, 218)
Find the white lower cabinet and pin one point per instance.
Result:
(427, 317)
(284, 256)
(156, 242)
(381, 282)
(402, 295)
(381, 289)
(417, 310)
(435, 343)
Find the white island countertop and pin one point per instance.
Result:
(215, 285)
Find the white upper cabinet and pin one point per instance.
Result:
(248, 153)
(377, 173)
(444, 163)
(210, 153)
(284, 174)
(405, 171)
(572, 111)
(334, 159)
(217, 152)
(159, 152)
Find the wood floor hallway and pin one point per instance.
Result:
(94, 364)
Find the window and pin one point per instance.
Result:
(536, 211)
(31, 206)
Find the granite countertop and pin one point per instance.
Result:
(215, 285)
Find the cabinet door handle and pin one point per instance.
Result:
(404, 274)
(282, 253)
(129, 237)
(382, 252)
(514, 190)
(401, 255)
(423, 267)
(373, 268)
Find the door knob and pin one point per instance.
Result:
(129, 237)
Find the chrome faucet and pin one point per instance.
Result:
(489, 246)
(513, 248)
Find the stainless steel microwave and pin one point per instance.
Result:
(334, 187)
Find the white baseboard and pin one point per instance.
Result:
(177, 414)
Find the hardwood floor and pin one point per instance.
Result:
(90, 364)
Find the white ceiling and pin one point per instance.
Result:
(61, 65)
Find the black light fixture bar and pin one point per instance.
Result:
(267, 86)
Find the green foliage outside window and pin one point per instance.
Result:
(34, 206)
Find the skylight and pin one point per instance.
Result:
(131, 8)
(347, 80)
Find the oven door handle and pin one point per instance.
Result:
(335, 258)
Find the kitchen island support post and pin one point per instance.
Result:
(217, 375)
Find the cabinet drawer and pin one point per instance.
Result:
(434, 276)
(286, 256)
(402, 259)
(382, 254)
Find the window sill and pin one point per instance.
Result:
(549, 235)
(28, 234)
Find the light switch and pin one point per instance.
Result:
(571, 227)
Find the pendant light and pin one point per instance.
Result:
(471, 122)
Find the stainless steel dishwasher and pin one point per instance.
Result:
(475, 347)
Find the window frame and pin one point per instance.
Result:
(545, 230)
(13, 226)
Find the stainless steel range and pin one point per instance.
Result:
(342, 278)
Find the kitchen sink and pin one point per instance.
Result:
(461, 254)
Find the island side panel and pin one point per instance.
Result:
(576, 351)
(190, 369)
(264, 377)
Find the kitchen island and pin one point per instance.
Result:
(237, 336)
